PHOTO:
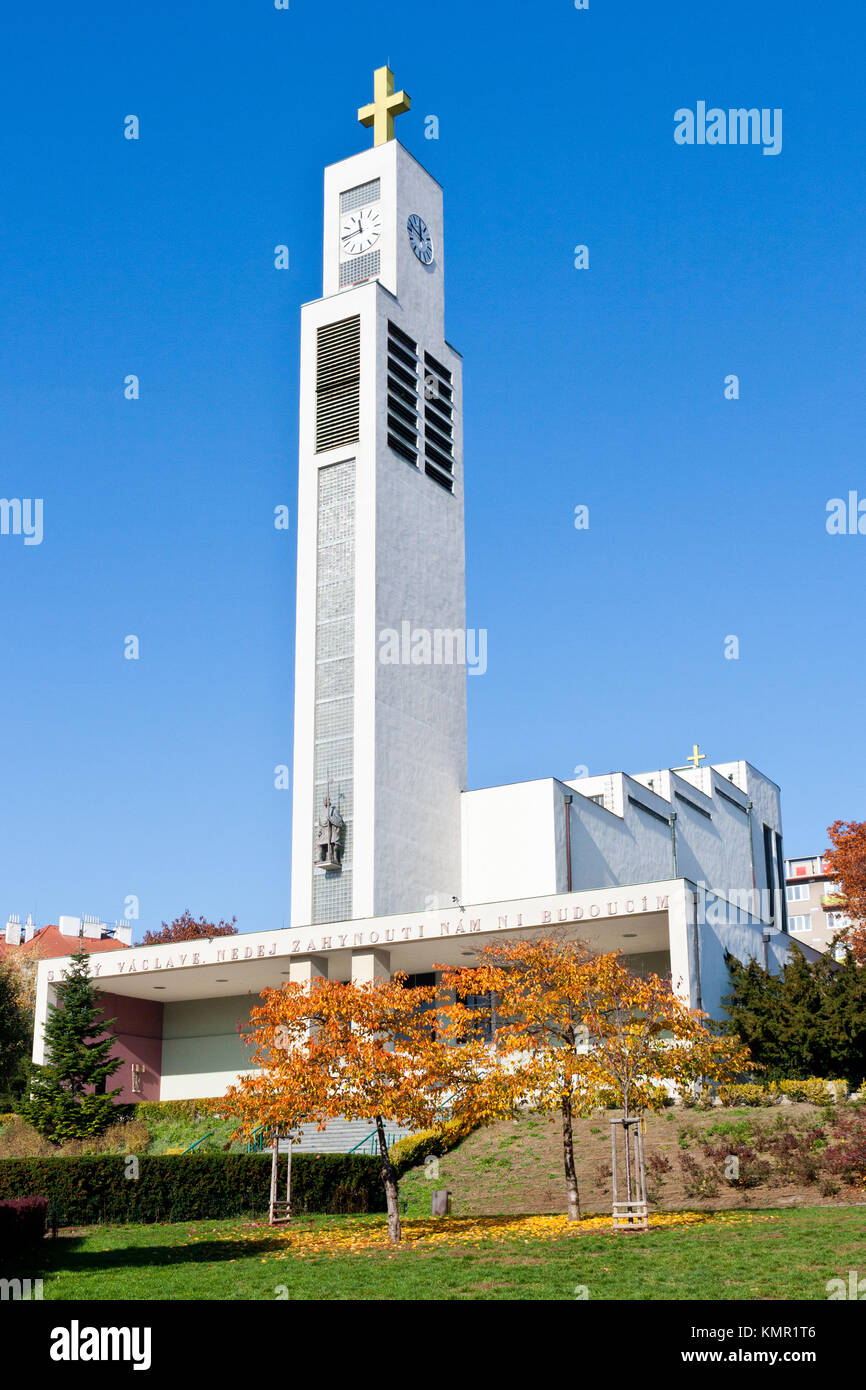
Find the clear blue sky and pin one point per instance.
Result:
(602, 387)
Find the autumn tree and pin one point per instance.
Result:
(186, 928)
(371, 1051)
(575, 1031)
(643, 1037)
(533, 997)
(846, 865)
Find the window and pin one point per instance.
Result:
(801, 923)
(797, 892)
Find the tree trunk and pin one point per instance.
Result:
(389, 1178)
(568, 1155)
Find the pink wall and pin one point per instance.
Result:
(138, 1028)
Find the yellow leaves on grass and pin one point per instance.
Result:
(364, 1236)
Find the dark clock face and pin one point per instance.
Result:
(420, 239)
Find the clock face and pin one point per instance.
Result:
(360, 230)
(420, 239)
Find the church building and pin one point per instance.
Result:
(397, 865)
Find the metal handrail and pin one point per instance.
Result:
(192, 1147)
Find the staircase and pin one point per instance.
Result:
(341, 1137)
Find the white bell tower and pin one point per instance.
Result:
(380, 680)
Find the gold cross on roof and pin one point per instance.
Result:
(696, 757)
(386, 104)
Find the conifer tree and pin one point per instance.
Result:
(68, 1099)
(809, 1020)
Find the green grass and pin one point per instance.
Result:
(790, 1257)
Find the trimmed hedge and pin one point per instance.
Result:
(22, 1224)
(173, 1187)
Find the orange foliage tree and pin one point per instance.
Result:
(371, 1051)
(577, 1031)
(846, 865)
(534, 990)
(641, 1035)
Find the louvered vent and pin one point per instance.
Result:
(402, 394)
(361, 268)
(438, 422)
(338, 380)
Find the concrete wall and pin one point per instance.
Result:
(202, 1050)
(625, 836)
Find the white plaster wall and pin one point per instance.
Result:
(202, 1050)
(509, 846)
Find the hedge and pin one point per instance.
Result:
(22, 1224)
(185, 1187)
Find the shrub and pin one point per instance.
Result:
(90, 1190)
(409, 1152)
(698, 1181)
(160, 1110)
(746, 1093)
(124, 1136)
(846, 1158)
(813, 1089)
(658, 1166)
(22, 1224)
(20, 1140)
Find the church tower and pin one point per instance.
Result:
(380, 688)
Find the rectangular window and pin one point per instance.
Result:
(801, 923)
(770, 868)
(797, 892)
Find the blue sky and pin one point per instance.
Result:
(602, 387)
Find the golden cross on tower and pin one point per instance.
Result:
(696, 757)
(386, 104)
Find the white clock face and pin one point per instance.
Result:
(420, 239)
(360, 230)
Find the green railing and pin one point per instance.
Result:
(370, 1143)
(257, 1141)
(192, 1148)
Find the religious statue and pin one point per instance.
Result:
(331, 823)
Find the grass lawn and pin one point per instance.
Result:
(768, 1255)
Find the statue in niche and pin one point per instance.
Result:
(329, 830)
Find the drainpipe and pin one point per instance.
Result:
(674, 841)
(568, 801)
